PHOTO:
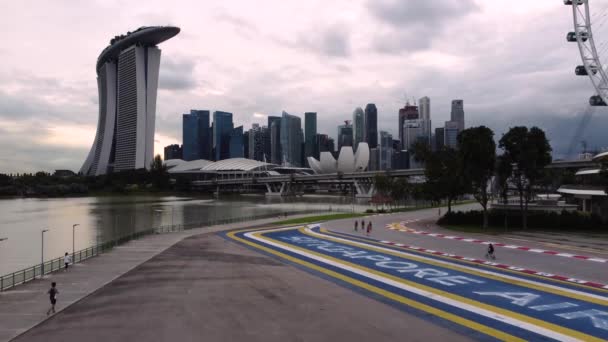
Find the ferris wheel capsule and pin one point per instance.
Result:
(583, 36)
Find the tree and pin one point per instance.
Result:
(421, 151)
(504, 171)
(530, 152)
(444, 178)
(477, 151)
(400, 189)
(158, 173)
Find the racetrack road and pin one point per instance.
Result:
(484, 303)
(206, 288)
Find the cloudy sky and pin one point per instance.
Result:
(508, 60)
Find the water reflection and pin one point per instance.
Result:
(107, 218)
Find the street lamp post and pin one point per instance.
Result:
(42, 253)
(159, 211)
(73, 242)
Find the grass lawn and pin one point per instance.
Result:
(319, 218)
(480, 229)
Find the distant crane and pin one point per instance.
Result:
(580, 130)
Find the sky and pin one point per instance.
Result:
(508, 61)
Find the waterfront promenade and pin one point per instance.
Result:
(190, 286)
(25, 306)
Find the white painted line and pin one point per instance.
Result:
(445, 300)
(534, 250)
(597, 259)
(452, 264)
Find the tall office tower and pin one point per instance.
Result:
(386, 150)
(173, 152)
(190, 136)
(373, 159)
(322, 140)
(408, 112)
(266, 144)
(236, 143)
(127, 80)
(345, 135)
(196, 135)
(451, 130)
(246, 144)
(291, 140)
(358, 126)
(424, 106)
(272, 157)
(331, 146)
(457, 114)
(310, 135)
(413, 131)
(256, 143)
(222, 128)
(439, 138)
(371, 125)
(204, 133)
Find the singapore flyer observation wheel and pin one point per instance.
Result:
(591, 49)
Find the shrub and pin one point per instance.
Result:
(566, 220)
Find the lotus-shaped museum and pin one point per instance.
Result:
(348, 162)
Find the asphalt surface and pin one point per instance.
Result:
(491, 304)
(206, 288)
(572, 267)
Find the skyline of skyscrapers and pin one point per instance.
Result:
(285, 142)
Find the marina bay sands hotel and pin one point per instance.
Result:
(127, 81)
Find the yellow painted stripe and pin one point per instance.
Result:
(455, 267)
(596, 289)
(514, 315)
(400, 299)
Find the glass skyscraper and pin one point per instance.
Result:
(358, 126)
(310, 134)
(291, 140)
(236, 143)
(222, 128)
(386, 150)
(274, 131)
(371, 125)
(196, 135)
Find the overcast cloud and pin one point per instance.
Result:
(509, 63)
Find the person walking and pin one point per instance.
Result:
(362, 225)
(490, 253)
(356, 224)
(369, 227)
(53, 292)
(67, 260)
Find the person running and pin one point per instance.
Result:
(53, 292)
(490, 253)
(356, 225)
(362, 225)
(67, 260)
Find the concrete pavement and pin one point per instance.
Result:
(24, 306)
(206, 288)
